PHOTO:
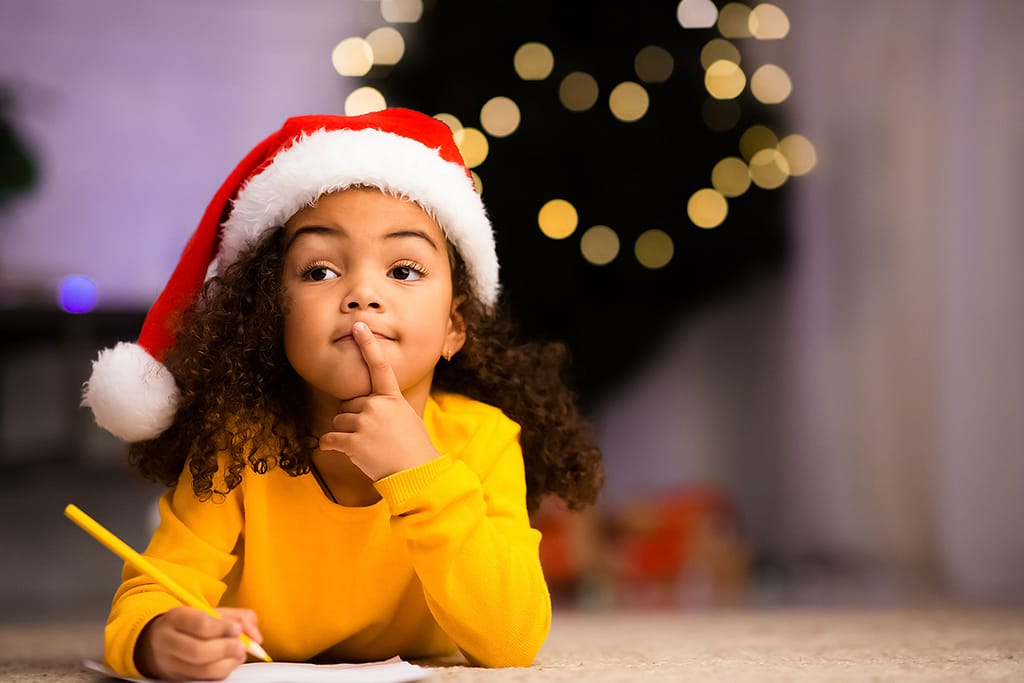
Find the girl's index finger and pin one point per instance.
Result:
(382, 376)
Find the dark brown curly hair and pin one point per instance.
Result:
(241, 397)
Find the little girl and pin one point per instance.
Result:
(351, 441)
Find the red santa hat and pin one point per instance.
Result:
(402, 152)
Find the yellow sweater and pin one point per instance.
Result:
(447, 559)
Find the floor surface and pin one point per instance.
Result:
(905, 646)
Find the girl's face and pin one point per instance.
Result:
(362, 255)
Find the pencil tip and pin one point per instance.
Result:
(259, 652)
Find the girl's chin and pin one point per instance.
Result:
(330, 395)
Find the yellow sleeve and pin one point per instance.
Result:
(471, 544)
(193, 545)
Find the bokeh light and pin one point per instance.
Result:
(731, 177)
(718, 49)
(768, 22)
(478, 183)
(696, 13)
(756, 138)
(734, 21)
(364, 100)
(533, 61)
(724, 80)
(770, 84)
(450, 120)
(401, 11)
(654, 249)
(769, 169)
(707, 208)
(578, 91)
(77, 294)
(629, 101)
(387, 45)
(599, 245)
(352, 57)
(800, 154)
(500, 117)
(558, 219)
(472, 145)
(653, 64)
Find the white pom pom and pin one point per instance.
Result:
(132, 395)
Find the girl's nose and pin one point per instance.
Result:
(357, 303)
(361, 297)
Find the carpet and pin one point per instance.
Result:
(744, 645)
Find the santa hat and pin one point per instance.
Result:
(402, 152)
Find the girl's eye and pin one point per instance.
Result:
(406, 273)
(319, 273)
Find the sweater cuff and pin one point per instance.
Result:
(399, 487)
(120, 656)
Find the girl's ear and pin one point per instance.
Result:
(456, 335)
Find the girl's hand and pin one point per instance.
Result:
(186, 643)
(381, 433)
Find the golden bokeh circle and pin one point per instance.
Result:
(500, 117)
(599, 245)
(724, 80)
(578, 91)
(352, 57)
(557, 219)
(653, 64)
(731, 177)
(707, 208)
(734, 21)
(769, 169)
(716, 49)
(756, 138)
(387, 45)
(768, 22)
(401, 11)
(654, 249)
(364, 100)
(449, 120)
(533, 61)
(800, 154)
(472, 145)
(770, 84)
(629, 101)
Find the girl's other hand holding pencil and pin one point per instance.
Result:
(186, 643)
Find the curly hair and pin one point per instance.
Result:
(241, 400)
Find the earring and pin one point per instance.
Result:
(448, 354)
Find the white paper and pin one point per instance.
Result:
(394, 670)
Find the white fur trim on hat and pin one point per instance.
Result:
(132, 395)
(327, 161)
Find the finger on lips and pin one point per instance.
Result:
(382, 377)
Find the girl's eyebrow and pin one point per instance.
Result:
(308, 230)
(412, 233)
(323, 230)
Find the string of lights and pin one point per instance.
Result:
(621, 188)
(765, 160)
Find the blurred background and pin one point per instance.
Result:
(781, 240)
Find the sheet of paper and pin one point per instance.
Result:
(393, 670)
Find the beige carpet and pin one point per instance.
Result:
(771, 645)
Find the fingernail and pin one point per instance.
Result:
(361, 327)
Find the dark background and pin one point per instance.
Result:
(630, 176)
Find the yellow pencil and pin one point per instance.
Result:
(126, 553)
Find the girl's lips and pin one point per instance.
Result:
(349, 338)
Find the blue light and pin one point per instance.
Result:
(77, 294)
